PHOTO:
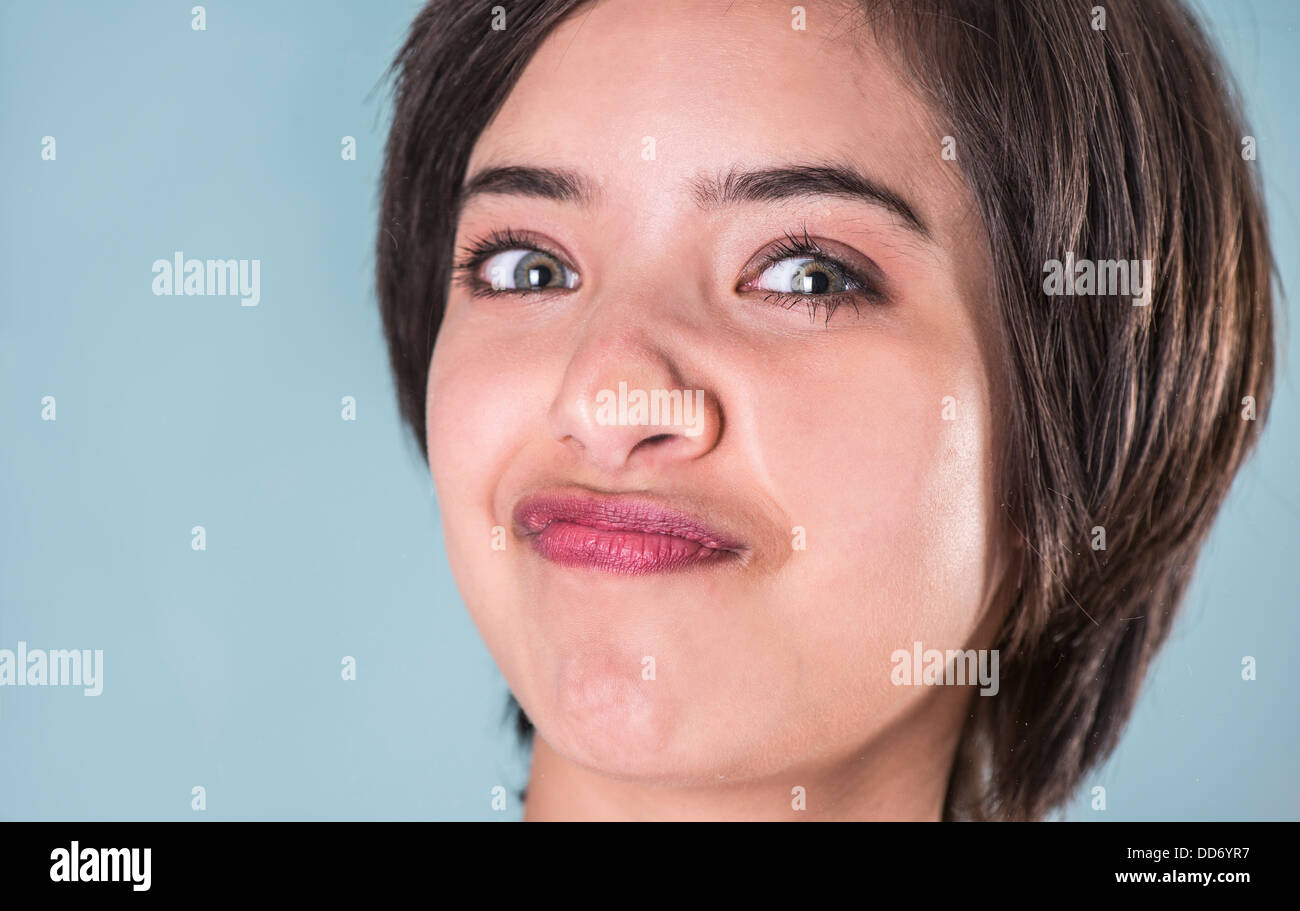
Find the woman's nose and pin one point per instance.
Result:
(623, 403)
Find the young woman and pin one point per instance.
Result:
(826, 404)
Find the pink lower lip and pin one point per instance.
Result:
(618, 536)
(620, 551)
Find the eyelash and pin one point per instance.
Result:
(472, 257)
(795, 246)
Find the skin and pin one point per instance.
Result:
(772, 672)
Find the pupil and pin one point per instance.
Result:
(539, 275)
(815, 282)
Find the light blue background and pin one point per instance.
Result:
(222, 668)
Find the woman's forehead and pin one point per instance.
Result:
(710, 85)
(650, 101)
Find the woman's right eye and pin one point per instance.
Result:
(525, 270)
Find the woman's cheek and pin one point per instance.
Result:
(862, 454)
(885, 470)
(470, 418)
(474, 409)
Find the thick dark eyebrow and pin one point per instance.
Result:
(738, 185)
(793, 181)
(541, 183)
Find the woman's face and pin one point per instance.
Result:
(717, 595)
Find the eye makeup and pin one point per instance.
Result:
(469, 265)
(857, 284)
(824, 278)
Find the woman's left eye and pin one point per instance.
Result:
(800, 271)
(804, 275)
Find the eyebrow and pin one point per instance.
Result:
(795, 181)
(541, 183)
(737, 185)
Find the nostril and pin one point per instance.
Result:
(652, 442)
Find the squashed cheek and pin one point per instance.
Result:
(884, 468)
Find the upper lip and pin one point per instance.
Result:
(616, 512)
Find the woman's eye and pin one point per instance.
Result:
(803, 275)
(526, 270)
(799, 272)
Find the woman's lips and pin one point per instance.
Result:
(618, 534)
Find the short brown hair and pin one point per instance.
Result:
(1114, 143)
